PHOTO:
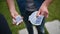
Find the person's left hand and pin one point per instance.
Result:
(43, 11)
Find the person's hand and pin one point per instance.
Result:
(43, 11)
(14, 14)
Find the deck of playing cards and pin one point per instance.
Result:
(36, 20)
(18, 19)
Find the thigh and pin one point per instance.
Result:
(23, 12)
(21, 6)
(26, 17)
(40, 28)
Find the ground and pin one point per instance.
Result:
(53, 27)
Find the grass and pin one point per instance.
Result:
(54, 13)
(54, 10)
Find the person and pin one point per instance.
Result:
(4, 27)
(27, 7)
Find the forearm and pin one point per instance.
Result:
(47, 2)
(11, 5)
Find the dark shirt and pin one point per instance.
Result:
(29, 5)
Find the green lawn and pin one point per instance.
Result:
(54, 13)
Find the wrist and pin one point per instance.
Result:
(12, 10)
(44, 5)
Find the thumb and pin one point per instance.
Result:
(46, 14)
(39, 12)
(13, 15)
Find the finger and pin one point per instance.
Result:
(46, 14)
(38, 13)
(12, 15)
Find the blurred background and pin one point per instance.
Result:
(54, 14)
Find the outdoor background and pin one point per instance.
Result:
(54, 13)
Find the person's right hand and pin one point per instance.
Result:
(14, 14)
